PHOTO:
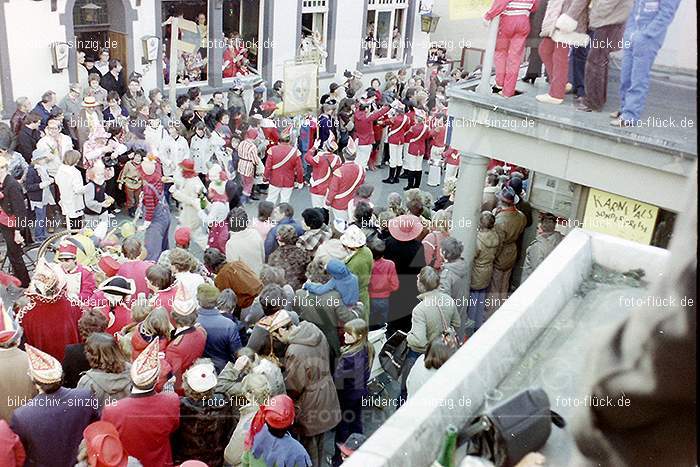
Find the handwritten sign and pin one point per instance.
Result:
(619, 216)
(468, 9)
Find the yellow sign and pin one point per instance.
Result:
(468, 9)
(619, 216)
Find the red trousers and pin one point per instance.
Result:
(510, 48)
(555, 56)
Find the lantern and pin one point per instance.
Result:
(429, 22)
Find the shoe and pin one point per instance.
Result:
(390, 178)
(495, 89)
(529, 79)
(547, 99)
(253, 197)
(615, 114)
(582, 106)
(620, 123)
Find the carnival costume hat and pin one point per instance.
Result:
(48, 280)
(145, 369)
(251, 133)
(201, 376)
(43, 368)
(10, 331)
(331, 145)
(67, 250)
(351, 148)
(286, 133)
(187, 168)
(109, 265)
(118, 285)
(184, 304)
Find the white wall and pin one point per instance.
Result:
(145, 26)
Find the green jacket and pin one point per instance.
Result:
(361, 264)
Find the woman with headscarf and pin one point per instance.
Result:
(269, 442)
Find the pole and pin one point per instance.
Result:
(484, 86)
(174, 57)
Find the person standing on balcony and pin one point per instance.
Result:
(564, 26)
(645, 32)
(513, 30)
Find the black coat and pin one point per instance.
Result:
(31, 183)
(409, 259)
(110, 83)
(74, 364)
(13, 202)
(26, 142)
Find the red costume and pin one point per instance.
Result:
(322, 166)
(283, 166)
(145, 423)
(118, 316)
(398, 127)
(50, 324)
(136, 271)
(416, 139)
(11, 450)
(344, 184)
(364, 130)
(185, 348)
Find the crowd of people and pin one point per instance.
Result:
(148, 352)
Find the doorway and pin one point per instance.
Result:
(102, 24)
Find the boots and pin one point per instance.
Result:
(392, 174)
(396, 175)
(403, 175)
(418, 175)
(410, 176)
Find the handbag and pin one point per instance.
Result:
(449, 334)
(508, 432)
(393, 354)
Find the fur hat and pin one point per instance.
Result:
(43, 368)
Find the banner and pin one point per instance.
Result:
(468, 9)
(619, 216)
(300, 87)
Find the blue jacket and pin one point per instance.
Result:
(271, 239)
(352, 375)
(223, 339)
(652, 18)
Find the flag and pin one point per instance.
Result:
(191, 38)
(301, 87)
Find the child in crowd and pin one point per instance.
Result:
(342, 281)
(130, 181)
(351, 377)
(38, 183)
(201, 150)
(363, 195)
(262, 224)
(383, 282)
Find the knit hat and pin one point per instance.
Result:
(353, 237)
(118, 285)
(67, 250)
(278, 414)
(207, 295)
(183, 236)
(183, 303)
(104, 448)
(9, 328)
(43, 368)
(145, 369)
(201, 376)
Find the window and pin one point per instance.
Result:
(314, 25)
(241, 28)
(192, 67)
(386, 29)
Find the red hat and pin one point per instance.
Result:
(268, 106)
(67, 250)
(108, 265)
(104, 448)
(405, 228)
(183, 235)
(279, 414)
(252, 133)
(286, 132)
(187, 167)
(7, 280)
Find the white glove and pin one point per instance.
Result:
(486, 22)
(144, 226)
(45, 184)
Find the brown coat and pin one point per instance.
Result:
(309, 381)
(487, 243)
(510, 223)
(15, 390)
(238, 277)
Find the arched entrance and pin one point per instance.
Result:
(93, 25)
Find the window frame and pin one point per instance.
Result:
(328, 8)
(391, 6)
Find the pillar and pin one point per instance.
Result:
(484, 86)
(467, 207)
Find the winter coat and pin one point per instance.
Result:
(566, 21)
(384, 280)
(235, 447)
(327, 312)
(14, 362)
(430, 318)
(184, 349)
(487, 243)
(70, 186)
(246, 246)
(453, 282)
(509, 225)
(205, 428)
(538, 250)
(240, 278)
(409, 260)
(106, 387)
(293, 260)
(223, 338)
(308, 379)
(352, 375)
(608, 12)
(360, 264)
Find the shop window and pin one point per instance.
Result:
(241, 29)
(385, 31)
(192, 68)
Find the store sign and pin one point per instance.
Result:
(619, 216)
(468, 9)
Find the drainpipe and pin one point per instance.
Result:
(484, 86)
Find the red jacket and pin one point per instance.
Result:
(50, 325)
(322, 166)
(11, 450)
(416, 139)
(119, 317)
(152, 191)
(384, 279)
(451, 156)
(145, 423)
(438, 135)
(364, 131)
(183, 350)
(344, 184)
(283, 169)
(136, 270)
(398, 127)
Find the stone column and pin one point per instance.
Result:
(467, 207)
(215, 55)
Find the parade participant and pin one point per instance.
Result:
(399, 124)
(188, 339)
(113, 302)
(174, 150)
(310, 384)
(223, 154)
(509, 225)
(322, 164)
(130, 181)
(50, 432)
(546, 241)
(217, 225)
(13, 218)
(201, 150)
(452, 159)
(13, 361)
(80, 281)
(49, 319)
(326, 121)
(269, 129)
(364, 131)
(189, 191)
(145, 420)
(283, 169)
(344, 184)
(437, 141)
(206, 418)
(248, 164)
(108, 375)
(513, 30)
(268, 441)
(156, 214)
(416, 138)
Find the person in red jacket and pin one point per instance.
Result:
(364, 131)
(399, 124)
(11, 450)
(322, 166)
(146, 419)
(49, 319)
(283, 169)
(344, 184)
(80, 281)
(416, 139)
(188, 338)
(113, 294)
(382, 283)
(156, 212)
(452, 160)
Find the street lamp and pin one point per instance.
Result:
(89, 12)
(429, 22)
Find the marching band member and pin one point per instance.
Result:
(399, 124)
(344, 184)
(322, 166)
(416, 139)
(283, 168)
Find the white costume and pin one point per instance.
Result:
(202, 153)
(187, 192)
